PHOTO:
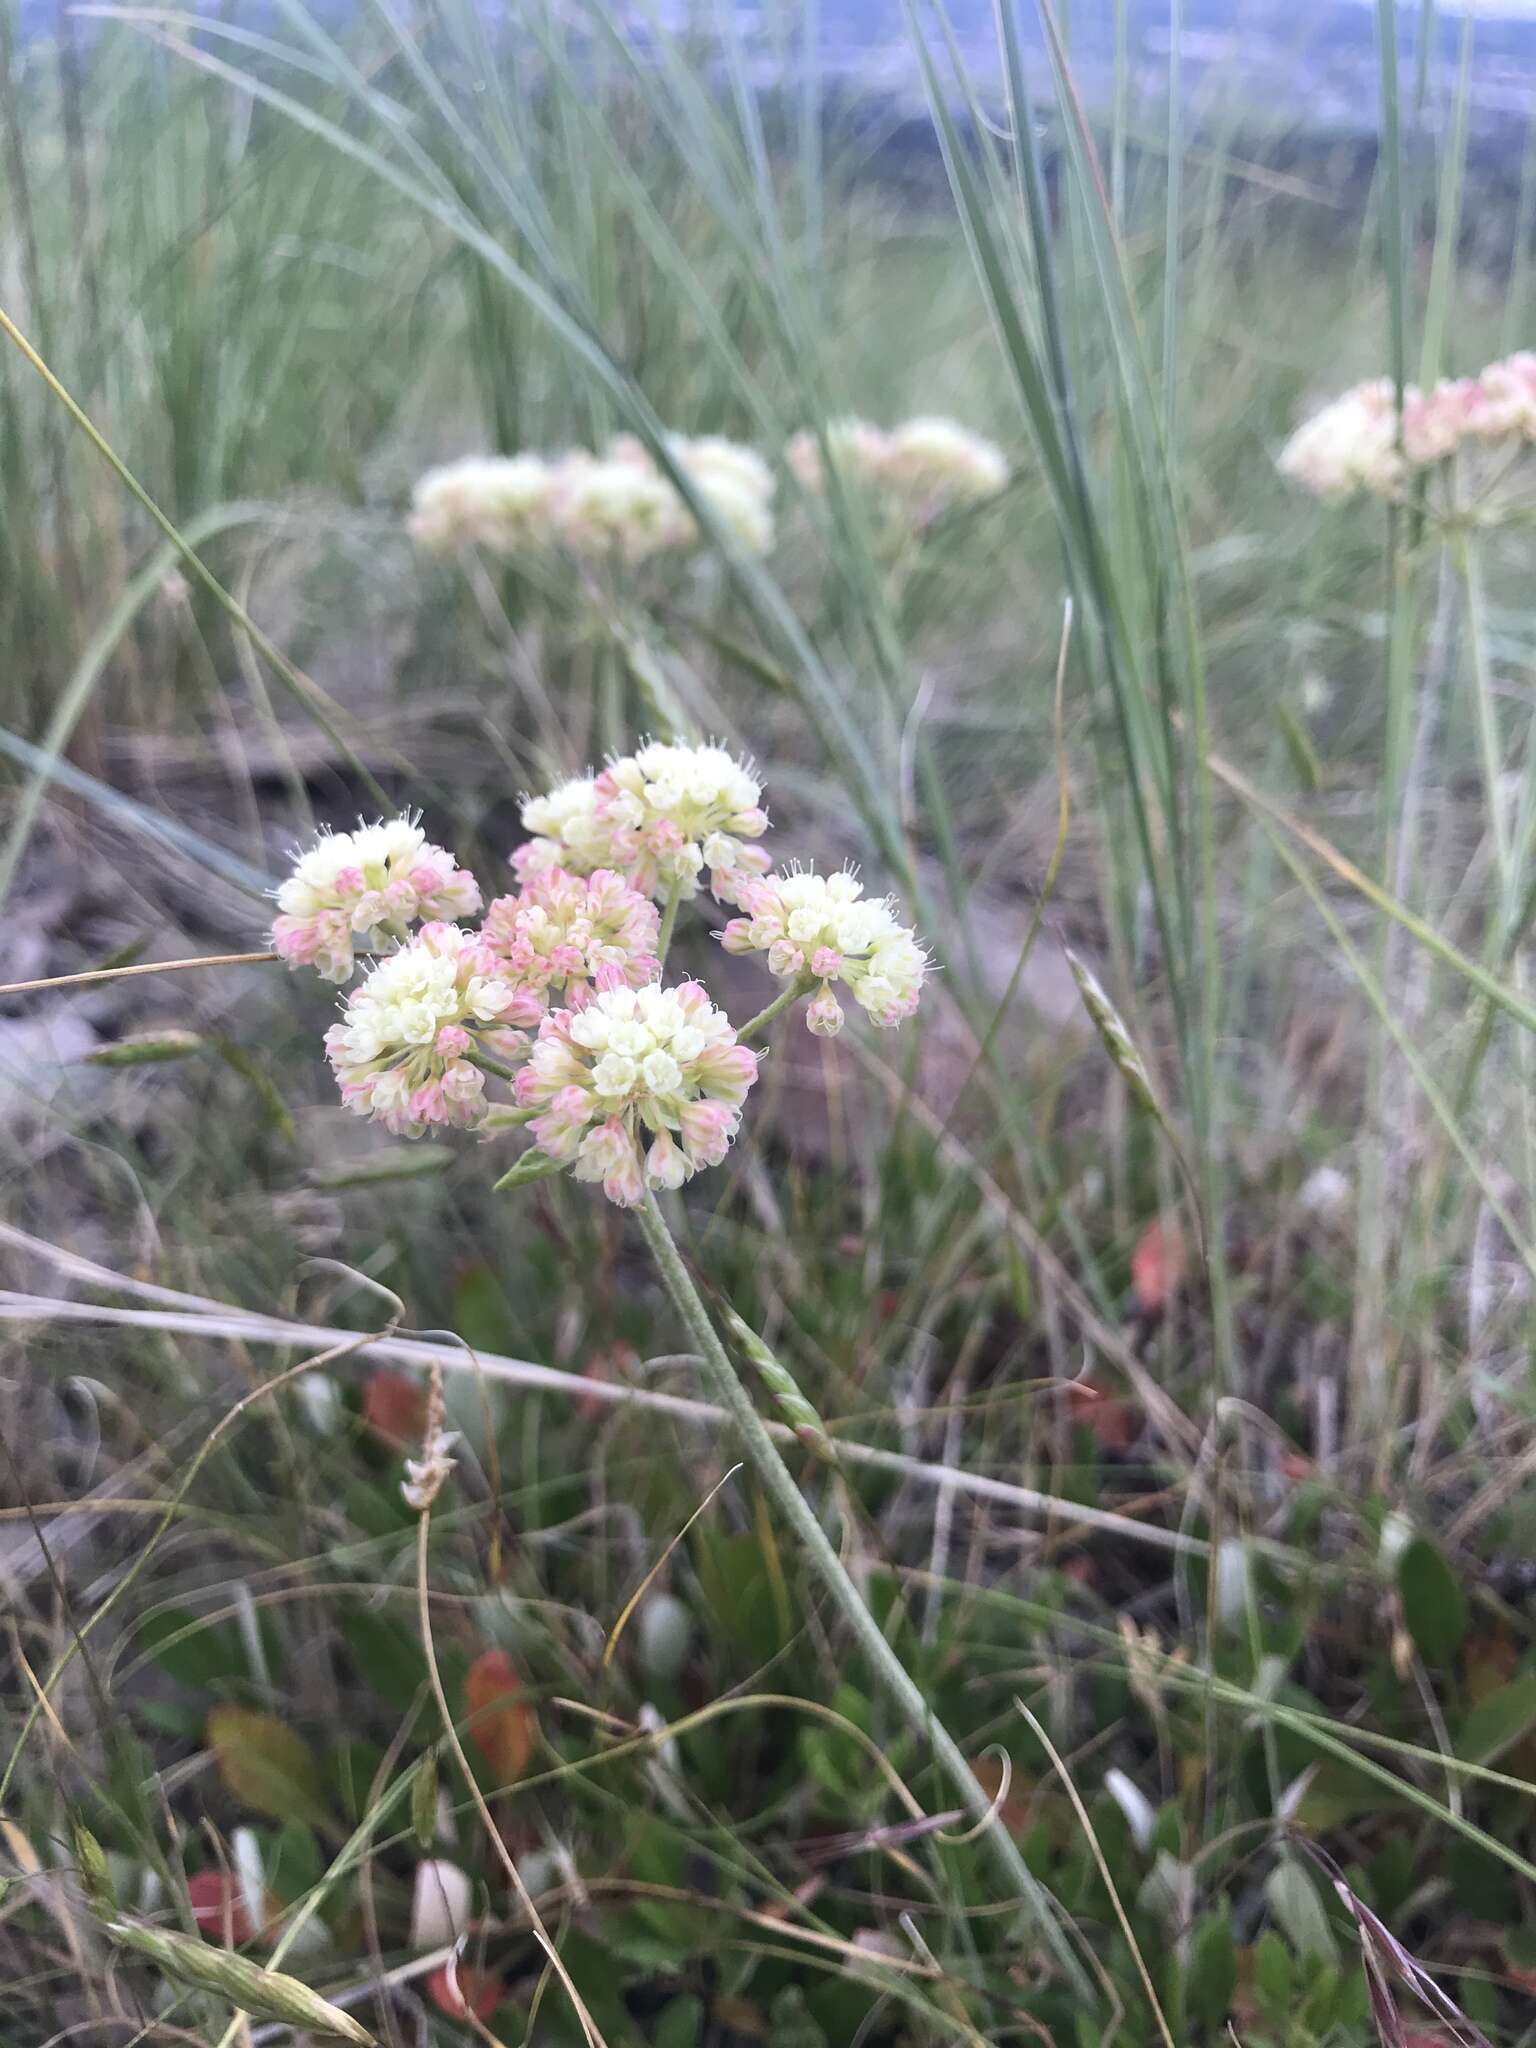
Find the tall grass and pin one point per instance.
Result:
(281, 270)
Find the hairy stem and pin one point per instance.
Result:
(668, 919)
(799, 987)
(885, 1666)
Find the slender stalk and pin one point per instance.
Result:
(488, 1064)
(885, 1665)
(799, 987)
(25, 988)
(668, 920)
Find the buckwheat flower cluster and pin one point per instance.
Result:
(659, 817)
(935, 464)
(569, 935)
(358, 891)
(617, 507)
(641, 1087)
(681, 809)
(400, 1052)
(736, 483)
(502, 502)
(595, 507)
(824, 928)
(567, 832)
(1352, 444)
(916, 471)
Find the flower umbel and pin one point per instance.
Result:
(498, 501)
(567, 934)
(642, 1085)
(400, 1052)
(676, 810)
(824, 928)
(357, 891)
(914, 472)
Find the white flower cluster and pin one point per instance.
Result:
(629, 1082)
(400, 1050)
(358, 891)
(915, 471)
(616, 505)
(657, 1061)
(824, 928)
(659, 817)
(1353, 444)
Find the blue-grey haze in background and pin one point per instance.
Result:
(1297, 64)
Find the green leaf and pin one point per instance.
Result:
(1212, 1970)
(250, 1069)
(1498, 1721)
(1339, 1793)
(267, 1765)
(1434, 1606)
(387, 1656)
(189, 1649)
(1295, 1904)
(681, 2024)
(1273, 1975)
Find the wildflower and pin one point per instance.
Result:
(358, 891)
(676, 810)
(400, 1053)
(641, 1086)
(1504, 399)
(500, 501)
(825, 928)
(616, 506)
(735, 482)
(935, 464)
(1351, 445)
(568, 934)
(567, 832)
(858, 450)
(1436, 422)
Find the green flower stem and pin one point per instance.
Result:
(885, 1665)
(800, 986)
(488, 1065)
(668, 919)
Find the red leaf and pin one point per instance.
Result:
(501, 1724)
(1158, 1266)
(218, 1907)
(1112, 1420)
(457, 1992)
(395, 1409)
(605, 1367)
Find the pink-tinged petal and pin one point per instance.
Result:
(665, 1165)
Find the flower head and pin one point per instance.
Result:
(569, 934)
(825, 928)
(499, 501)
(616, 505)
(859, 453)
(1504, 399)
(641, 1086)
(935, 464)
(676, 810)
(400, 1050)
(1351, 445)
(567, 832)
(735, 482)
(357, 891)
